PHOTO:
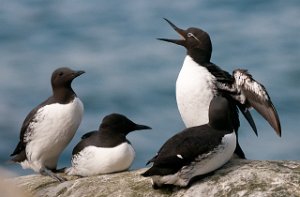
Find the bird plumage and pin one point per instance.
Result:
(199, 80)
(106, 150)
(197, 150)
(50, 126)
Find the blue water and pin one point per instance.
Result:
(128, 71)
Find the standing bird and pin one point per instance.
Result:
(197, 150)
(49, 127)
(106, 150)
(200, 80)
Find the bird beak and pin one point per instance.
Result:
(78, 73)
(181, 32)
(141, 127)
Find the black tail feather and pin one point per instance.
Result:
(239, 152)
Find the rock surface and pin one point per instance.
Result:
(236, 178)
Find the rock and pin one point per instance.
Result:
(236, 178)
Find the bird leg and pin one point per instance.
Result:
(46, 172)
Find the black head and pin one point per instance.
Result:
(63, 77)
(120, 123)
(220, 113)
(195, 40)
(61, 84)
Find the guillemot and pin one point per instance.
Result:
(106, 150)
(196, 150)
(50, 126)
(199, 81)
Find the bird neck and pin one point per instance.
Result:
(110, 132)
(221, 120)
(221, 126)
(199, 55)
(63, 95)
(111, 138)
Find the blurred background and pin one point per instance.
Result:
(128, 71)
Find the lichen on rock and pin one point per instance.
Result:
(236, 178)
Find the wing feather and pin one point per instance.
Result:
(257, 97)
(182, 149)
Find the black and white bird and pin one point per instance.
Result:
(49, 127)
(197, 150)
(199, 81)
(106, 150)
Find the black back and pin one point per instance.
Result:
(112, 132)
(193, 142)
(189, 143)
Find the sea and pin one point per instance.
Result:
(129, 71)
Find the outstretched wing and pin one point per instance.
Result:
(255, 95)
(245, 111)
(225, 81)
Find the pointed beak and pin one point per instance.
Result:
(141, 127)
(181, 32)
(78, 73)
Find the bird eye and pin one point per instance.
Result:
(61, 74)
(190, 35)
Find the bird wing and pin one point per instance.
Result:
(80, 146)
(26, 131)
(225, 81)
(19, 152)
(88, 139)
(221, 75)
(245, 111)
(182, 149)
(88, 134)
(255, 95)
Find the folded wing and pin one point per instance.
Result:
(182, 149)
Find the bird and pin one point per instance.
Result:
(106, 150)
(50, 126)
(196, 151)
(199, 80)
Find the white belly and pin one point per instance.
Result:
(52, 131)
(194, 91)
(94, 160)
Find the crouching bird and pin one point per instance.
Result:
(49, 127)
(197, 150)
(106, 150)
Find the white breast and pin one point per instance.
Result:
(194, 91)
(94, 160)
(52, 130)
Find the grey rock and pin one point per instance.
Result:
(236, 178)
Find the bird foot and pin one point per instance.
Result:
(47, 172)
